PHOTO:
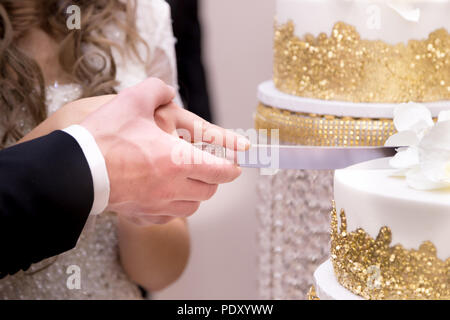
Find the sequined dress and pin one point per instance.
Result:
(96, 256)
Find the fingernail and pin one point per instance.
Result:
(243, 144)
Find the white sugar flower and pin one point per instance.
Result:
(406, 9)
(425, 158)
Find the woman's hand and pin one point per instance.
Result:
(169, 118)
(70, 114)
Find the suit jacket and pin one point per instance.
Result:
(46, 194)
(191, 73)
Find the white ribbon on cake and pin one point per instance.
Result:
(425, 159)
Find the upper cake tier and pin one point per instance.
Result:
(363, 50)
(392, 21)
(391, 230)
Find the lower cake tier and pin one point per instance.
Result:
(327, 287)
(389, 241)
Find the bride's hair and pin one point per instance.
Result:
(22, 85)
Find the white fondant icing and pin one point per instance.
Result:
(372, 199)
(271, 96)
(392, 21)
(327, 286)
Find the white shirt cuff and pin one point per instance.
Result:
(97, 165)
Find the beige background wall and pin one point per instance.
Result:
(238, 49)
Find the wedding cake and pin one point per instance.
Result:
(391, 239)
(341, 67)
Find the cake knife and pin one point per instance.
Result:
(309, 158)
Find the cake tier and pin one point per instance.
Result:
(327, 287)
(317, 122)
(373, 199)
(392, 21)
(390, 229)
(363, 51)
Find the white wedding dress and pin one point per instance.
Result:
(96, 255)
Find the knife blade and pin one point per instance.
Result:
(308, 157)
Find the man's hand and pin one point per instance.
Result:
(153, 174)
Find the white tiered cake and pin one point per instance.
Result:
(392, 242)
(340, 69)
(393, 239)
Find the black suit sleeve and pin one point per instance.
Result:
(46, 194)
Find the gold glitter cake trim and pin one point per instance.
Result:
(345, 67)
(312, 295)
(374, 269)
(318, 130)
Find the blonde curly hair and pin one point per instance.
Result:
(22, 84)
